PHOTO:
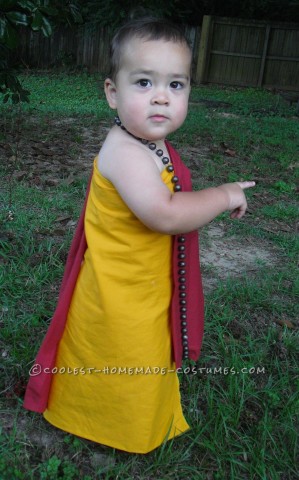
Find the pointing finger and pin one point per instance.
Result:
(244, 185)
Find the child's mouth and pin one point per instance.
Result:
(158, 118)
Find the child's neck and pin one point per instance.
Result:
(161, 153)
(160, 143)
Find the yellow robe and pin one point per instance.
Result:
(116, 382)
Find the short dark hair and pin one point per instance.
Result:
(146, 28)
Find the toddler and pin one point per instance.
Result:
(131, 304)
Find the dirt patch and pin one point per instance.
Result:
(45, 441)
(44, 153)
(224, 256)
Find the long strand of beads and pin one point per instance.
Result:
(181, 240)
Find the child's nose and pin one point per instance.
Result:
(160, 97)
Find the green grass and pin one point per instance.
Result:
(242, 399)
(78, 95)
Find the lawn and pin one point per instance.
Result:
(241, 399)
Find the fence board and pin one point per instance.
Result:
(249, 53)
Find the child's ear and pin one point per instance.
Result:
(110, 92)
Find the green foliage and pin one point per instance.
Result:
(50, 469)
(281, 186)
(38, 15)
(54, 469)
(281, 211)
(10, 85)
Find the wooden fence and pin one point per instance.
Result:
(225, 50)
(249, 53)
(67, 47)
(84, 48)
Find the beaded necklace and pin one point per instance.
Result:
(152, 146)
(181, 248)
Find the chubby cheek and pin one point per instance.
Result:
(130, 111)
(181, 113)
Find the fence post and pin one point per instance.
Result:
(203, 49)
(264, 56)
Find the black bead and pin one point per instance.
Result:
(185, 343)
(183, 309)
(181, 248)
(182, 272)
(181, 239)
(159, 153)
(117, 121)
(144, 141)
(186, 349)
(183, 295)
(182, 287)
(152, 146)
(165, 160)
(181, 255)
(184, 324)
(169, 168)
(183, 302)
(183, 316)
(182, 279)
(177, 188)
(184, 330)
(175, 179)
(182, 264)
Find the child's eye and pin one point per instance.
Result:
(176, 85)
(144, 83)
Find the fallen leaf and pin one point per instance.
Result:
(230, 153)
(19, 175)
(43, 150)
(293, 165)
(214, 149)
(70, 179)
(59, 231)
(63, 219)
(284, 322)
(71, 223)
(51, 182)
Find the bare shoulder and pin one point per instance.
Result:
(121, 154)
(133, 170)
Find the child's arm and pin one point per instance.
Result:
(138, 181)
(201, 207)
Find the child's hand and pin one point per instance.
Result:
(236, 196)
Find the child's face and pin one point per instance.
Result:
(152, 87)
